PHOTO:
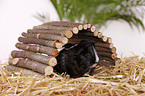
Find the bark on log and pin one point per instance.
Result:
(87, 36)
(46, 37)
(56, 43)
(13, 61)
(95, 34)
(105, 54)
(102, 49)
(106, 63)
(36, 57)
(33, 65)
(49, 27)
(45, 27)
(58, 23)
(105, 45)
(26, 72)
(108, 59)
(38, 48)
(88, 33)
(66, 33)
(73, 41)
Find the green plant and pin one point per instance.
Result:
(98, 12)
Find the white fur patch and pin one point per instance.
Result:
(96, 55)
(94, 65)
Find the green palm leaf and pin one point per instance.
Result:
(98, 12)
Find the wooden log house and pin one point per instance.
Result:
(38, 46)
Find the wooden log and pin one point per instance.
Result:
(45, 27)
(89, 25)
(66, 33)
(55, 43)
(106, 63)
(58, 44)
(104, 38)
(63, 39)
(85, 26)
(48, 70)
(109, 40)
(108, 59)
(33, 65)
(26, 72)
(105, 54)
(93, 28)
(75, 30)
(49, 27)
(87, 33)
(113, 50)
(13, 61)
(102, 49)
(80, 27)
(87, 36)
(106, 45)
(62, 23)
(100, 35)
(114, 55)
(117, 61)
(96, 33)
(25, 63)
(38, 48)
(36, 57)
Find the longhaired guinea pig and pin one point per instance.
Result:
(77, 59)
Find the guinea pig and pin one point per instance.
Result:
(77, 59)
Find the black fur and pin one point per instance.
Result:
(76, 59)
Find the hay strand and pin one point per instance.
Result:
(127, 78)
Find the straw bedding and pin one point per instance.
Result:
(127, 78)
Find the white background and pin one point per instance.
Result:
(16, 16)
